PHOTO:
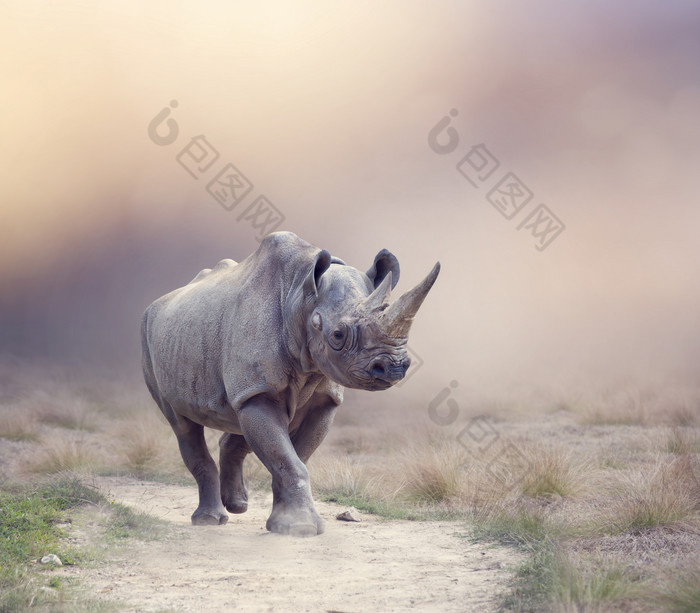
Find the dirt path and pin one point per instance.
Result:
(374, 565)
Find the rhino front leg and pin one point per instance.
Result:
(266, 430)
(232, 451)
(313, 430)
(193, 448)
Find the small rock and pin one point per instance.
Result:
(51, 558)
(345, 516)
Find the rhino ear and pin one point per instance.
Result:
(321, 263)
(384, 263)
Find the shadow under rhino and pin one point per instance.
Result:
(262, 350)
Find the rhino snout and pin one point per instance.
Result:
(389, 370)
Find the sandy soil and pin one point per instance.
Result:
(373, 565)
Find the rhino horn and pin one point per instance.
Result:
(398, 317)
(379, 298)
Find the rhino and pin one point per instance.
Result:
(262, 350)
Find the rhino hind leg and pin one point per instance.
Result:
(232, 451)
(193, 448)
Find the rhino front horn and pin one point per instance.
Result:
(398, 317)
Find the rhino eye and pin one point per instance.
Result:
(338, 337)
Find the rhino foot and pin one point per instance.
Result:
(299, 522)
(237, 505)
(304, 530)
(234, 495)
(208, 517)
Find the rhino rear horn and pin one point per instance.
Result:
(379, 298)
(398, 317)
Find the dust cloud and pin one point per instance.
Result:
(326, 110)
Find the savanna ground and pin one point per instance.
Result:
(583, 500)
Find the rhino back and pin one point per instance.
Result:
(219, 340)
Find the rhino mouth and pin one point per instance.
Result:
(380, 384)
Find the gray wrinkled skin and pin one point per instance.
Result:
(261, 350)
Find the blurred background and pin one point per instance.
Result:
(326, 108)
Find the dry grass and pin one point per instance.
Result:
(589, 583)
(647, 406)
(680, 593)
(341, 477)
(683, 409)
(255, 474)
(355, 440)
(685, 415)
(666, 495)
(683, 441)
(553, 471)
(513, 521)
(144, 446)
(142, 451)
(61, 408)
(16, 425)
(77, 415)
(59, 454)
(632, 410)
(433, 472)
(604, 495)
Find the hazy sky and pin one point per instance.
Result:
(326, 109)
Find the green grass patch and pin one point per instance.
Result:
(582, 584)
(395, 509)
(526, 528)
(29, 529)
(123, 522)
(166, 477)
(32, 525)
(368, 505)
(552, 581)
(533, 585)
(69, 492)
(522, 526)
